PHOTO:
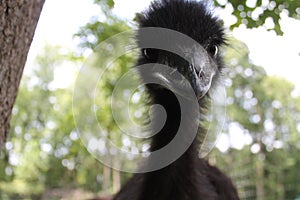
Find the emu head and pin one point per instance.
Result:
(199, 64)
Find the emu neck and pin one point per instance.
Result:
(175, 117)
(164, 183)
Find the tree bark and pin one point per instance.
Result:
(18, 20)
(106, 184)
(116, 181)
(260, 190)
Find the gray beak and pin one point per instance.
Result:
(189, 80)
(200, 80)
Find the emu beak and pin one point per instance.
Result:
(200, 79)
(189, 81)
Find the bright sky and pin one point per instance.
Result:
(60, 19)
(280, 56)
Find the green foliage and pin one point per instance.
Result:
(110, 75)
(105, 3)
(255, 13)
(264, 107)
(96, 31)
(44, 150)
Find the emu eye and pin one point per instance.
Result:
(145, 52)
(150, 53)
(213, 50)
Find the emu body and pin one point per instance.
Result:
(189, 177)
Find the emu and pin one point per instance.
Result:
(189, 177)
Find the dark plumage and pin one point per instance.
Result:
(189, 177)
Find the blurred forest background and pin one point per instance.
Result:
(44, 158)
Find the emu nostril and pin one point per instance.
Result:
(201, 75)
(198, 70)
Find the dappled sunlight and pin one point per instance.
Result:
(46, 156)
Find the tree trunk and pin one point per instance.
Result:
(106, 178)
(260, 192)
(18, 20)
(116, 181)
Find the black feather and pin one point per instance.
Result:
(189, 177)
